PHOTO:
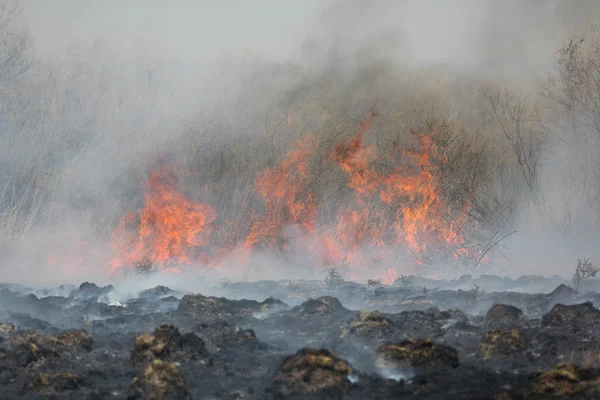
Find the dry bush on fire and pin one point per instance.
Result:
(489, 140)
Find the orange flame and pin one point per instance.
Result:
(288, 202)
(402, 208)
(169, 227)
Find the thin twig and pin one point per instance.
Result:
(490, 247)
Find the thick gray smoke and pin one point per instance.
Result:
(94, 94)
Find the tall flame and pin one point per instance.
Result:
(169, 229)
(400, 208)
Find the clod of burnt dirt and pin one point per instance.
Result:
(503, 312)
(583, 314)
(74, 339)
(310, 371)
(89, 290)
(368, 324)
(168, 344)
(199, 306)
(325, 305)
(502, 343)
(37, 349)
(6, 329)
(567, 381)
(157, 291)
(563, 294)
(42, 383)
(236, 348)
(159, 380)
(421, 353)
(224, 336)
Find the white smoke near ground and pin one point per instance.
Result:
(116, 86)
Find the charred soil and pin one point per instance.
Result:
(314, 341)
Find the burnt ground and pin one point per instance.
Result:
(490, 338)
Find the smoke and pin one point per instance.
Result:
(115, 89)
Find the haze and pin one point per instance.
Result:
(117, 87)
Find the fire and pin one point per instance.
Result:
(402, 208)
(287, 199)
(169, 229)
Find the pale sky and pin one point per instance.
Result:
(187, 28)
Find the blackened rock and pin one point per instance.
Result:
(310, 371)
(583, 314)
(168, 344)
(503, 312)
(422, 354)
(159, 380)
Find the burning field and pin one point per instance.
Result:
(378, 323)
(398, 203)
(394, 222)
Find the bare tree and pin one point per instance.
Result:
(522, 130)
(16, 56)
(573, 103)
(584, 271)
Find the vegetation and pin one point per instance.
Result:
(334, 278)
(61, 120)
(584, 271)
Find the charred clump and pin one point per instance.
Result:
(31, 350)
(167, 344)
(224, 336)
(88, 290)
(420, 354)
(37, 349)
(6, 329)
(199, 306)
(49, 383)
(368, 325)
(156, 292)
(325, 305)
(74, 339)
(566, 381)
(502, 343)
(563, 294)
(310, 371)
(503, 313)
(578, 315)
(159, 380)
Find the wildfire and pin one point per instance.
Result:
(289, 204)
(169, 229)
(402, 208)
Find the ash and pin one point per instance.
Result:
(490, 337)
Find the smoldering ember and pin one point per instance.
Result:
(322, 199)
